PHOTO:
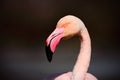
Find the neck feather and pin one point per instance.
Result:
(83, 59)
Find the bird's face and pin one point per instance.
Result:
(71, 26)
(66, 28)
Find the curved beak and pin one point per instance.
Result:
(52, 42)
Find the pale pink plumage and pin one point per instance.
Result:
(67, 27)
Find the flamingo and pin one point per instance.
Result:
(67, 27)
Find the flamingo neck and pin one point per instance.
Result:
(83, 59)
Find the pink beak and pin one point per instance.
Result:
(52, 41)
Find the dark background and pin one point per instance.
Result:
(25, 25)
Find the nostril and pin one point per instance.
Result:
(52, 35)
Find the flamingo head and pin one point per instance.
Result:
(67, 27)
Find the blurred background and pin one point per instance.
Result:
(25, 25)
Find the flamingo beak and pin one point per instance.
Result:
(52, 42)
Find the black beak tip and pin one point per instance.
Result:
(49, 53)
